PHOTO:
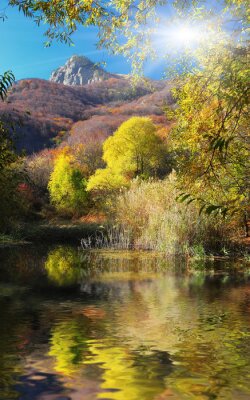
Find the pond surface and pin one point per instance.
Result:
(122, 326)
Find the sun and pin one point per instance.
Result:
(186, 35)
(180, 35)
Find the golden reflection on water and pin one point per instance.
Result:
(140, 328)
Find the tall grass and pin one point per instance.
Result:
(111, 237)
(147, 216)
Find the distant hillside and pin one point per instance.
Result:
(45, 108)
(104, 120)
(45, 111)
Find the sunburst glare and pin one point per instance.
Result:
(186, 35)
(180, 36)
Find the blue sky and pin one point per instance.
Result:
(22, 49)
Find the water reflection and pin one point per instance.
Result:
(133, 326)
(127, 374)
(12, 342)
(63, 266)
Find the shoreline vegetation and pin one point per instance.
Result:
(146, 216)
(90, 236)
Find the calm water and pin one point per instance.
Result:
(118, 326)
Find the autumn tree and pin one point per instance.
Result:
(38, 168)
(134, 150)
(211, 133)
(89, 157)
(67, 186)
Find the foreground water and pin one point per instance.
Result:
(118, 326)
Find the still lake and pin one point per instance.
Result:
(122, 326)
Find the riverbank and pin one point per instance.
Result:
(49, 232)
(72, 232)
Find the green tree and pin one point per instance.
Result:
(11, 204)
(6, 81)
(67, 186)
(134, 150)
(7, 154)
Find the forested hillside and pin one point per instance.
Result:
(42, 109)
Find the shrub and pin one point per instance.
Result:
(38, 167)
(154, 220)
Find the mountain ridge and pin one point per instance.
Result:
(48, 110)
(79, 71)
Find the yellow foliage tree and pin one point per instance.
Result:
(211, 132)
(67, 185)
(134, 150)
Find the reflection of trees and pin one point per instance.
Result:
(206, 339)
(67, 346)
(63, 266)
(123, 374)
(149, 315)
(155, 315)
(22, 267)
(66, 266)
(213, 360)
(129, 375)
(217, 349)
(119, 339)
(13, 340)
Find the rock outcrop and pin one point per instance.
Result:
(78, 71)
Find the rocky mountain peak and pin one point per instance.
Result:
(79, 70)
